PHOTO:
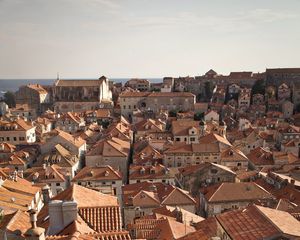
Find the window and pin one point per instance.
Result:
(113, 182)
(15, 138)
(58, 184)
(124, 107)
(177, 139)
(193, 139)
(7, 138)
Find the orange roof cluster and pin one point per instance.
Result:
(155, 194)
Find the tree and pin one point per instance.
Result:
(208, 87)
(298, 108)
(259, 87)
(198, 116)
(173, 113)
(9, 99)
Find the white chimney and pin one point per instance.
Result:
(61, 214)
(55, 217)
(70, 210)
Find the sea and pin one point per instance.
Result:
(14, 84)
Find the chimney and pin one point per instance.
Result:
(61, 214)
(55, 217)
(34, 233)
(70, 210)
(46, 194)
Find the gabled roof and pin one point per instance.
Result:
(162, 192)
(149, 125)
(247, 224)
(97, 174)
(110, 147)
(234, 192)
(213, 138)
(78, 83)
(182, 127)
(18, 220)
(86, 198)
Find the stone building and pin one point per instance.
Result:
(34, 95)
(113, 152)
(155, 101)
(17, 132)
(142, 85)
(226, 196)
(277, 76)
(81, 95)
(191, 178)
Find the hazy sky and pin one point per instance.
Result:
(146, 38)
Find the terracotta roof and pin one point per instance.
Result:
(18, 220)
(287, 192)
(110, 147)
(182, 127)
(38, 88)
(260, 156)
(60, 156)
(48, 174)
(193, 148)
(282, 220)
(208, 226)
(71, 116)
(77, 141)
(18, 125)
(162, 193)
(151, 125)
(97, 174)
(81, 194)
(78, 83)
(233, 192)
(7, 147)
(213, 138)
(188, 170)
(233, 154)
(199, 235)
(247, 224)
(150, 172)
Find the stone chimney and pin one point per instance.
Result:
(55, 217)
(61, 214)
(46, 194)
(70, 210)
(34, 233)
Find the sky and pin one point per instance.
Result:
(146, 38)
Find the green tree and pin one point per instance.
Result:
(208, 87)
(198, 116)
(173, 113)
(9, 99)
(259, 87)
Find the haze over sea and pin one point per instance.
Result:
(14, 84)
